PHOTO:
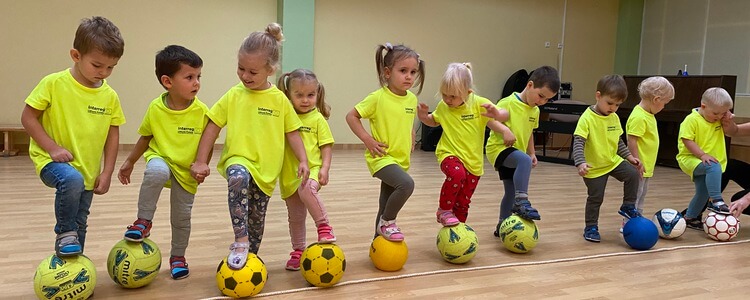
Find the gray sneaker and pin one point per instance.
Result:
(67, 244)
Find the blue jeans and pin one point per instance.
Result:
(707, 180)
(72, 200)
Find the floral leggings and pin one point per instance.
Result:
(247, 206)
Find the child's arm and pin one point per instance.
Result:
(325, 153)
(698, 152)
(104, 180)
(424, 116)
(127, 166)
(199, 169)
(579, 159)
(633, 148)
(295, 142)
(531, 151)
(508, 137)
(353, 118)
(500, 115)
(30, 121)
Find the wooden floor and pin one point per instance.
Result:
(563, 265)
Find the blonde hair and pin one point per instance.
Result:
(394, 54)
(717, 96)
(655, 86)
(457, 79)
(303, 75)
(267, 43)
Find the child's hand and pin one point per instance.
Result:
(422, 110)
(493, 112)
(534, 161)
(323, 176)
(583, 169)
(199, 171)
(102, 183)
(303, 171)
(61, 154)
(707, 159)
(124, 173)
(377, 149)
(508, 138)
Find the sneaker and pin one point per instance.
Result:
(325, 235)
(629, 211)
(178, 267)
(624, 220)
(293, 263)
(447, 218)
(497, 229)
(718, 206)
(66, 244)
(389, 231)
(237, 259)
(140, 230)
(522, 207)
(694, 223)
(591, 234)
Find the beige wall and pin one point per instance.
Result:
(497, 37)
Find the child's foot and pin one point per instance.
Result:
(66, 244)
(497, 228)
(238, 255)
(325, 234)
(694, 223)
(591, 234)
(178, 267)
(293, 263)
(718, 206)
(446, 217)
(522, 207)
(389, 231)
(140, 230)
(629, 211)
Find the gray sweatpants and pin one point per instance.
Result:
(181, 202)
(624, 172)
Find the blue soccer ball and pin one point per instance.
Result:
(640, 233)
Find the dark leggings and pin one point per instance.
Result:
(396, 187)
(247, 206)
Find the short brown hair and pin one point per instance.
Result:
(546, 76)
(613, 86)
(98, 33)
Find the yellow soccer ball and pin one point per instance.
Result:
(518, 234)
(388, 256)
(134, 264)
(244, 282)
(65, 278)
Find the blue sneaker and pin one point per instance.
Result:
(629, 211)
(591, 234)
(67, 244)
(718, 206)
(522, 207)
(178, 268)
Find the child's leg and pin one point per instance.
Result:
(397, 186)
(68, 199)
(308, 194)
(506, 204)
(522, 163)
(713, 186)
(83, 215)
(595, 187)
(156, 175)
(626, 173)
(461, 208)
(296, 215)
(181, 206)
(701, 195)
(455, 178)
(642, 190)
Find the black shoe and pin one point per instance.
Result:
(719, 207)
(497, 229)
(696, 223)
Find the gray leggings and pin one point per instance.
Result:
(624, 172)
(518, 185)
(396, 187)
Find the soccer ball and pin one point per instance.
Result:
(518, 234)
(640, 233)
(457, 244)
(244, 282)
(669, 222)
(721, 227)
(65, 278)
(388, 256)
(323, 265)
(134, 264)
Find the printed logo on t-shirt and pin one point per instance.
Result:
(409, 110)
(268, 112)
(468, 117)
(188, 130)
(95, 110)
(307, 129)
(532, 120)
(611, 128)
(717, 128)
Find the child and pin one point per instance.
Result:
(513, 162)
(308, 98)
(72, 116)
(643, 133)
(598, 152)
(259, 119)
(170, 132)
(391, 111)
(702, 153)
(459, 150)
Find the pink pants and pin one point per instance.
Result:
(458, 187)
(303, 200)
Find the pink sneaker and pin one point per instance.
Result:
(447, 218)
(390, 231)
(325, 234)
(293, 263)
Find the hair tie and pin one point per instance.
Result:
(388, 46)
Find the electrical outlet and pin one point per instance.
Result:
(546, 44)
(559, 45)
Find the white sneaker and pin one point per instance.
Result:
(237, 259)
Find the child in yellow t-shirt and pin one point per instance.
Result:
(308, 98)
(702, 153)
(391, 111)
(170, 132)
(463, 115)
(514, 162)
(260, 120)
(642, 130)
(72, 117)
(598, 152)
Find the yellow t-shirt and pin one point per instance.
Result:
(463, 132)
(643, 125)
(315, 133)
(708, 136)
(176, 135)
(391, 122)
(257, 123)
(77, 118)
(602, 134)
(523, 120)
